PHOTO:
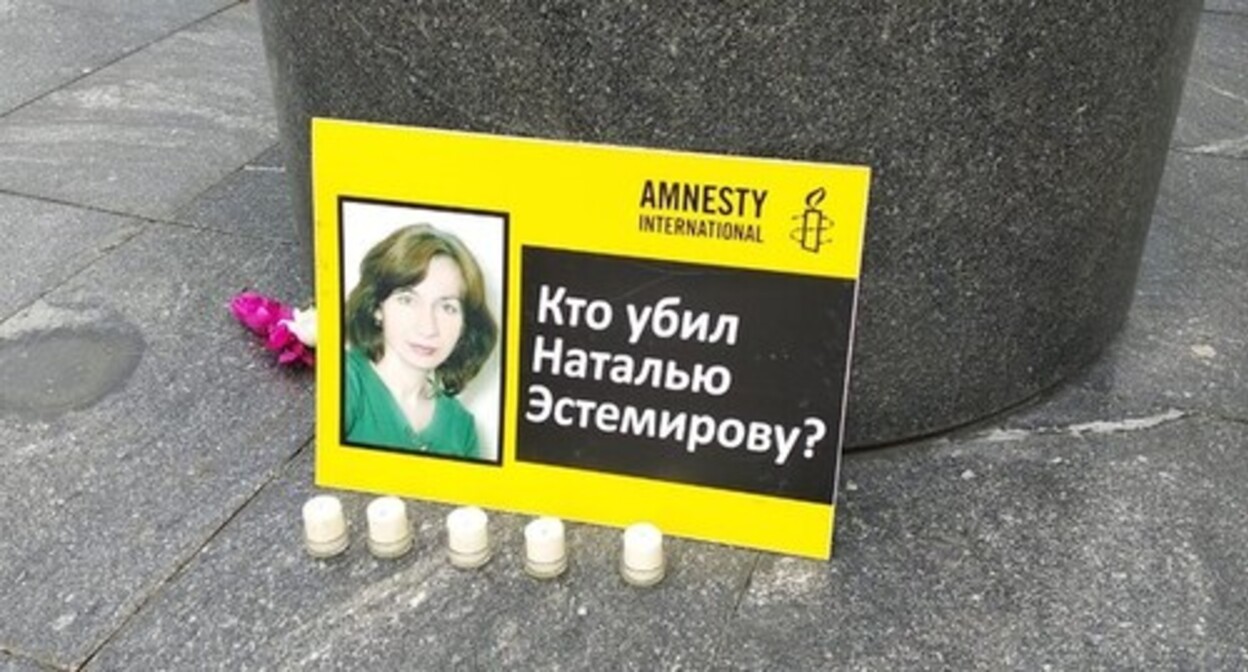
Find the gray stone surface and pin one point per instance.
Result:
(254, 201)
(45, 43)
(9, 663)
(1214, 116)
(1015, 148)
(47, 243)
(252, 599)
(102, 500)
(1105, 551)
(1184, 345)
(149, 133)
(273, 157)
(1101, 550)
(1237, 6)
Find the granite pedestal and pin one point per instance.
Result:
(1016, 148)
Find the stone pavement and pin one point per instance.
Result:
(153, 460)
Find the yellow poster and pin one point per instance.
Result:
(606, 334)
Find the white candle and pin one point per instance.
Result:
(467, 537)
(642, 563)
(389, 532)
(545, 553)
(324, 527)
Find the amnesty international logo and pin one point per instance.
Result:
(815, 226)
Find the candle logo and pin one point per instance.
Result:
(814, 229)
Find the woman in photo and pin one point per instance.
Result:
(418, 330)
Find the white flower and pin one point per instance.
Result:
(303, 326)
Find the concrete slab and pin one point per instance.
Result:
(1118, 551)
(1183, 347)
(45, 44)
(46, 243)
(1213, 117)
(253, 201)
(153, 130)
(137, 417)
(253, 599)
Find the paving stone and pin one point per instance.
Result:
(46, 243)
(255, 201)
(1107, 551)
(45, 44)
(150, 132)
(1213, 117)
(253, 599)
(102, 499)
(1184, 346)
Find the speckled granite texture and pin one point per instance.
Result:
(1017, 148)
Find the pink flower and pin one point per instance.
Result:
(258, 312)
(290, 350)
(273, 320)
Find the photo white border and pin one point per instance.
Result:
(365, 223)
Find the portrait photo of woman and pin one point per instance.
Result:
(418, 332)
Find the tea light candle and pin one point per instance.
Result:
(324, 527)
(389, 532)
(642, 562)
(467, 537)
(545, 554)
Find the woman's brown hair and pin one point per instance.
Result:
(401, 260)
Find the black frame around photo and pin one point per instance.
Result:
(362, 223)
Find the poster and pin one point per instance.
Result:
(606, 334)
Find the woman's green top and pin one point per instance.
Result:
(374, 418)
